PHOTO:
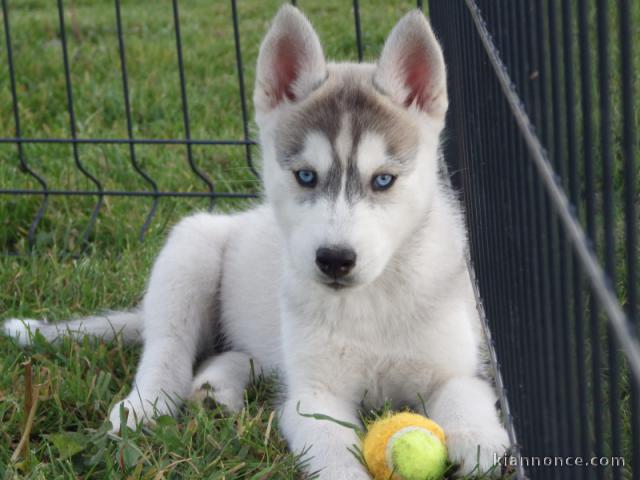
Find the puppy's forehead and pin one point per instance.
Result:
(346, 108)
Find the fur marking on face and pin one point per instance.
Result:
(360, 113)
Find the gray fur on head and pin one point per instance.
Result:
(410, 71)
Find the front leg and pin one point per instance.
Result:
(465, 408)
(177, 314)
(327, 442)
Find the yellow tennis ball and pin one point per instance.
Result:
(405, 446)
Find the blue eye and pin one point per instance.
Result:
(383, 181)
(306, 178)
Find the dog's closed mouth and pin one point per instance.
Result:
(334, 283)
(337, 285)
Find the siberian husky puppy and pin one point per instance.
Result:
(349, 280)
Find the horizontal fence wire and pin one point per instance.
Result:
(127, 141)
(128, 193)
(542, 146)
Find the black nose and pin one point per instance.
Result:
(335, 262)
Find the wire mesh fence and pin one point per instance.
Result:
(542, 145)
(97, 190)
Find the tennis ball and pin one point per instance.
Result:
(405, 446)
(417, 454)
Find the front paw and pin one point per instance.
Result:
(478, 452)
(137, 411)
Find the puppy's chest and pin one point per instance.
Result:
(380, 350)
(389, 377)
(385, 364)
(398, 362)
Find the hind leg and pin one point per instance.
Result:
(177, 314)
(224, 378)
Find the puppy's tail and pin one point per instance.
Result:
(107, 326)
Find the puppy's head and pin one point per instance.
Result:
(349, 150)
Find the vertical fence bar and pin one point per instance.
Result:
(243, 98)
(589, 181)
(553, 318)
(72, 126)
(504, 169)
(550, 273)
(545, 120)
(578, 432)
(586, 94)
(536, 77)
(570, 99)
(518, 308)
(508, 223)
(569, 271)
(566, 278)
(546, 398)
(127, 108)
(608, 217)
(497, 164)
(356, 18)
(185, 107)
(24, 166)
(557, 257)
(527, 234)
(631, 225)
(494, 194)
(555, 57)
(481, 185)
(525, 26)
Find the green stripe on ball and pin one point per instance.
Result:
(417, 454)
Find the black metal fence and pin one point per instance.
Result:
(543, 147)
(97, 190)
(543, 102)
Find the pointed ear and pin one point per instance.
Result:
(291, 63)
(411, 67)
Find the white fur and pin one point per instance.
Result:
(371, 156)
(405, 330)
(316, 153)
(21, 329)
(106, 326)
